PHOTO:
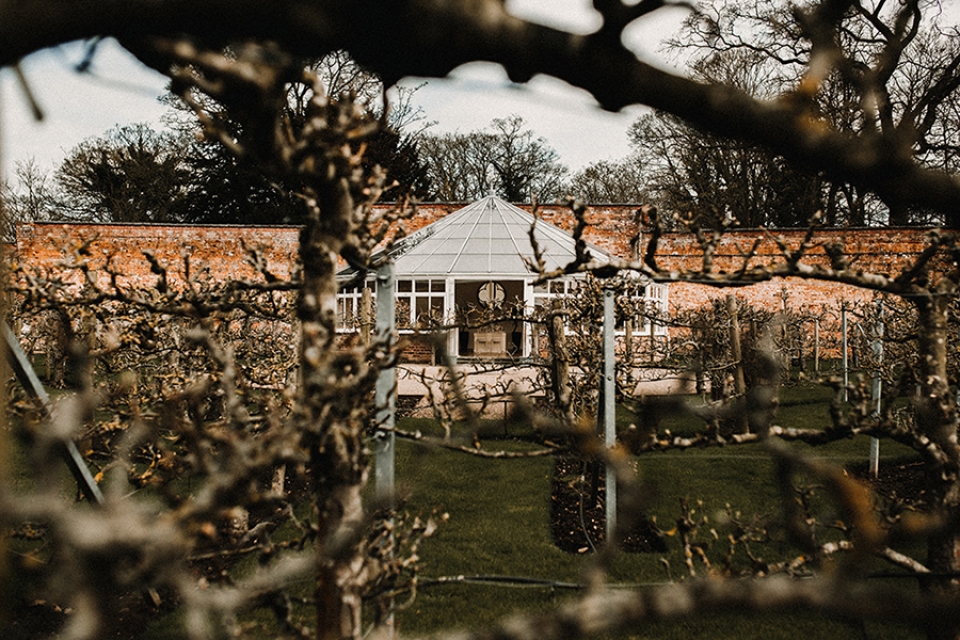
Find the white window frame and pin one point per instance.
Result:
(655, 297)
(436, 296)
(349, 305)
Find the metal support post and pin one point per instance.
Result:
(28, 378)
(386, 388)
(844, 360)
(609, 407)
(877, 349)
(385, 397)
(816, 345)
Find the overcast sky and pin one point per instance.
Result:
(119, 90)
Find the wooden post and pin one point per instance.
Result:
(785, 332)
(628, 340)
(844, 360)
(801, 361)
(877, 388)
(816, 345)
(560, 365)
(739, 382)
(534, 340)
(366, 321)
(653, 340)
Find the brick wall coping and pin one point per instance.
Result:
(742, 230)
(80, 226)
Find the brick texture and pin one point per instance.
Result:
(619, 229)
(883, 252)
(214, 252)
(417, 349)
(222, 250)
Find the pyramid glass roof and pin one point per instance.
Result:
(490, 237)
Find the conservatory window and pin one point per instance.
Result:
(655, 299)
(350, 306)
(420, 302)
(546, 292)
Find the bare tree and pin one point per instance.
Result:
(525, 166)
(223, 186)
(31, 197)
(597, 62)
(456, 174)
(414, 38)
(506, 159)
(718, 180)
(895, 75)
(608, 181)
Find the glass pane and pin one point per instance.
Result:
(403, 313)
(403, 285)
(557, 287)
(423, 309)
(423, 285)
(438, 285)
(344, 312)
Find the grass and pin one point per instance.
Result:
(500, 526)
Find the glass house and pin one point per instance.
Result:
(478, 258)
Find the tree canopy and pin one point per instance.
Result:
(131, 174)
(505, 159)
(883, 72)
(137, 174)
(411, 39)
(612, 181)
(227, 187)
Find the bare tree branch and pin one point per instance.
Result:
(432, 37)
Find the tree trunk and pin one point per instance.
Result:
(560, 363)
(736, 352)
(338, 460)
(936, 417)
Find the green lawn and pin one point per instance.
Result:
(499, 525)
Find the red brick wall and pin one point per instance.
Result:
(876, 250)
(222, 250)
(880, 251)
(417, 349)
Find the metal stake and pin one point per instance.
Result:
(31, 383)
(609, 408)
(877, 388)
(386, 388)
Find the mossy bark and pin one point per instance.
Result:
(332, 419)
(936, 413)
